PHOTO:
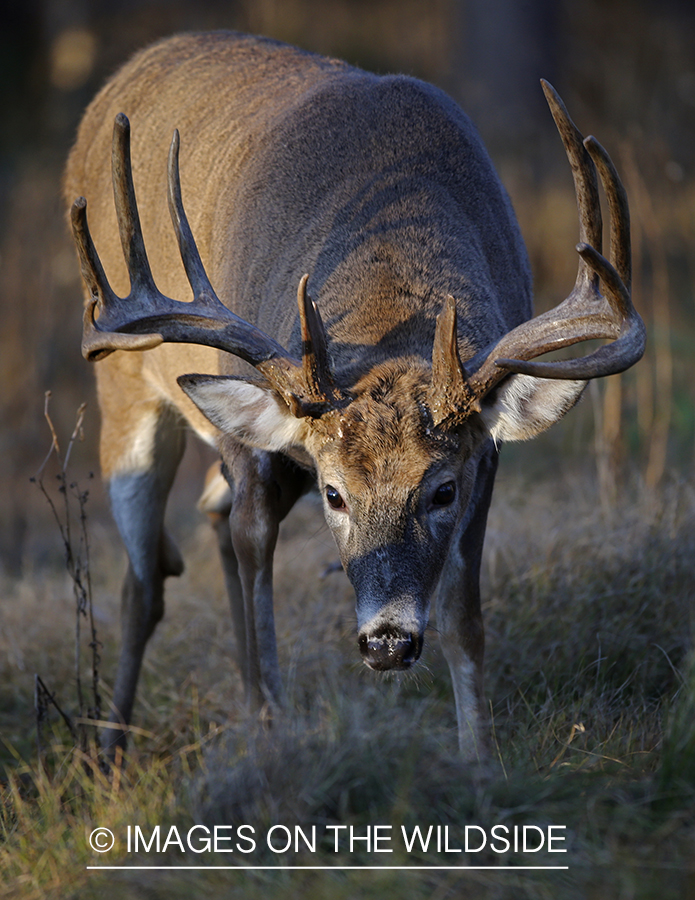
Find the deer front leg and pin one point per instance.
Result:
(459, 619)
(216, 501)
(265, 486)
(139, 464)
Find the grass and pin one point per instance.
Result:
(589, 614)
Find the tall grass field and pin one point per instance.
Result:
(589, 614)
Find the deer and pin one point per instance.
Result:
(360, 320)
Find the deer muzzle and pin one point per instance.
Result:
(387, 649)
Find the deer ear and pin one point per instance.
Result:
(522, 406)
(245, 409)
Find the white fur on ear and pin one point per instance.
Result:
(523, 406)
(251, 413)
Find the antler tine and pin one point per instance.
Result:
(586, 314)
(585, 181)
(102, 296)
(315, 364)
(127, 214)
(620, 253)
(92, 270)
(450, 395)
(90, 264)
(192, 263)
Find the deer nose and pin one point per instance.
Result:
(390, 651)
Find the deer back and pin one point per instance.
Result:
(378, 186)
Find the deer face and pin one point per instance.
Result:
(394, 488)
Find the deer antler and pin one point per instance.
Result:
(586, 313)
(146, 317)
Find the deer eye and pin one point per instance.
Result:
(444, 495)
(334, 498)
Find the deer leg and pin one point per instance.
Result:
(265, 487)
(138, 489)
(459, 618)
(216, 501)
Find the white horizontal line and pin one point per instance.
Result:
(329, 868)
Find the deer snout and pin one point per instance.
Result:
(390, 650)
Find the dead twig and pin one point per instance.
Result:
(77, 562)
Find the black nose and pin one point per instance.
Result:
(389, 650)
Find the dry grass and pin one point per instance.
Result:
(590, 622)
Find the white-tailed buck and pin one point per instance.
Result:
(394, 399)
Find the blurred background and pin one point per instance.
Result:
(626, 69)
